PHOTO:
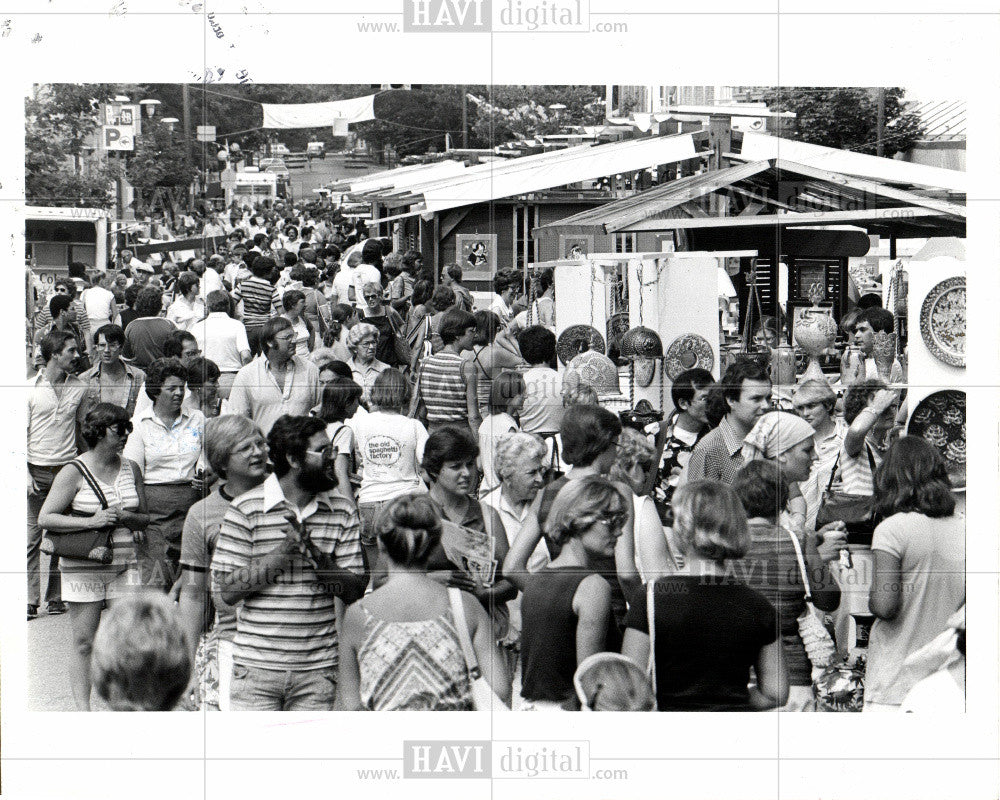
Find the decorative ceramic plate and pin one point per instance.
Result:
(687, 352)
(577, 339)
(940, 419)
(942, 321)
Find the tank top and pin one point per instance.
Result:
(603, 565)
(121, 493)
(416, 665)
(442, 387)
(548, 634)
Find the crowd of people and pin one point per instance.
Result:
(349, 488)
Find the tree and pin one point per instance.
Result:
(515, 112)
(158, 160)
(416, 120)
(847, 119)
(60, 122)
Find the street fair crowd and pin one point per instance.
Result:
(298, 470)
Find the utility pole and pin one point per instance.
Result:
(880, 105)
(465, 119)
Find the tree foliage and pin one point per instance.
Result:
(158, 160)
(60, 123)
(847, 118)
(515, 112)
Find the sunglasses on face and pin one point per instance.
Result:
(121, 429)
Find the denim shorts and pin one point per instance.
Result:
(258, 689)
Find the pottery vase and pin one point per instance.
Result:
(814, 332)
(852, 366)
(884, 353)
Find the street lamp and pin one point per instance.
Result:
(122, 98)
(149, 106)
(170, 122)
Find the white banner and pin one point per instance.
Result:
(319, 115)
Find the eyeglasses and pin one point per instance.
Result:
(370, 296)
(367, 344)
(121, 429)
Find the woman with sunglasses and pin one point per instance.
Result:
(566, 609)
(72, 505)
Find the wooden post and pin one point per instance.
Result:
(880, 101)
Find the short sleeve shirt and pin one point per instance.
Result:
(291, 624)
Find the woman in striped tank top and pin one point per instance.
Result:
(870, 409)
(72, 505)
(446, 386)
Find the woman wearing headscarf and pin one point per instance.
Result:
(786, 440)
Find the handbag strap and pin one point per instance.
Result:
(833, 472)
(651, 621)
(88, 476)
(802, 564)
(462, 628)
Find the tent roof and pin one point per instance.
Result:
(493, 181)
(771, 192)
(759, 146)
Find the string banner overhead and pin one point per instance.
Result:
(319, 115)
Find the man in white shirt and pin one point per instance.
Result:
(56, 406)
(223, 340)
(100, 306)
(869, 324)
(210, 279)
(343, 281)
(278, 382)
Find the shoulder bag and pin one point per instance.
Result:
(483, 696)
(89, 545)
(856, 511)
(815, 637)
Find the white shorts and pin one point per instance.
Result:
(93, 586)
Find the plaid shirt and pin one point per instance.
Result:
(718, 456)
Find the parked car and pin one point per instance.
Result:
(277, 166)
(316, 150)
(279, 149)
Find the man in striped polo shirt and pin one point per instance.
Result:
(289, 549)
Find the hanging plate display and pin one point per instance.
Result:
(942, 321)
(940, 419)
(578, 339)
(687, 352)
(644, 369)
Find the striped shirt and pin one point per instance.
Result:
(856, 474)
(291, 624)
(256, 296)
(442, 387)
(120, 493)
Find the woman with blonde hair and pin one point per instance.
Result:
(706, 628)
(655, 555)
(566, 607)
(814, 401)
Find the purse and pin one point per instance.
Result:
(483, 696)
(856, 511)
(815, 637)
(92, 545)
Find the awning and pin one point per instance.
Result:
(401, 178)
(549, 170)
(760, 146)
(318, 115)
